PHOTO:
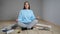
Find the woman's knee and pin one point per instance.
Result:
(22, 24)
(36, 20)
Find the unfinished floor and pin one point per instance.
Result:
(55, 28)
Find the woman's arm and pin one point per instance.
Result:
(19, 16)
(32, 15)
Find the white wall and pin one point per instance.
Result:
(51, 11)
(10, 8)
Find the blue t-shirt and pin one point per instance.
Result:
(26, 16)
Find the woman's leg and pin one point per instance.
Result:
(32, 23)
(22, 24)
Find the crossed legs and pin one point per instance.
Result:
(30, 25)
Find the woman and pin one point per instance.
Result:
(26, 18)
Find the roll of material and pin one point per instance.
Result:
(9, 31)
(43, 25)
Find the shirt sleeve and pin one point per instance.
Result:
(32, 15)
(20, 16)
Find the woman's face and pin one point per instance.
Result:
(26, 5)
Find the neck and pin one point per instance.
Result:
(27, 8)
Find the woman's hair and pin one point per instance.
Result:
(28, 4)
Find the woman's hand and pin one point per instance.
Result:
(37, 17)
(16, 19)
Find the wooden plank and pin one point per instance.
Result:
(31, 32)
(45, 32)
(24, 32)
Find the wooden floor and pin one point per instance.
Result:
(35, 32)
(55, 28)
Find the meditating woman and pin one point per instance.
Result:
(26, 18)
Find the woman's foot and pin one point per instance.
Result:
(22, 28)
(29, 28)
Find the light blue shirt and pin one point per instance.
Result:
(26, 16)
